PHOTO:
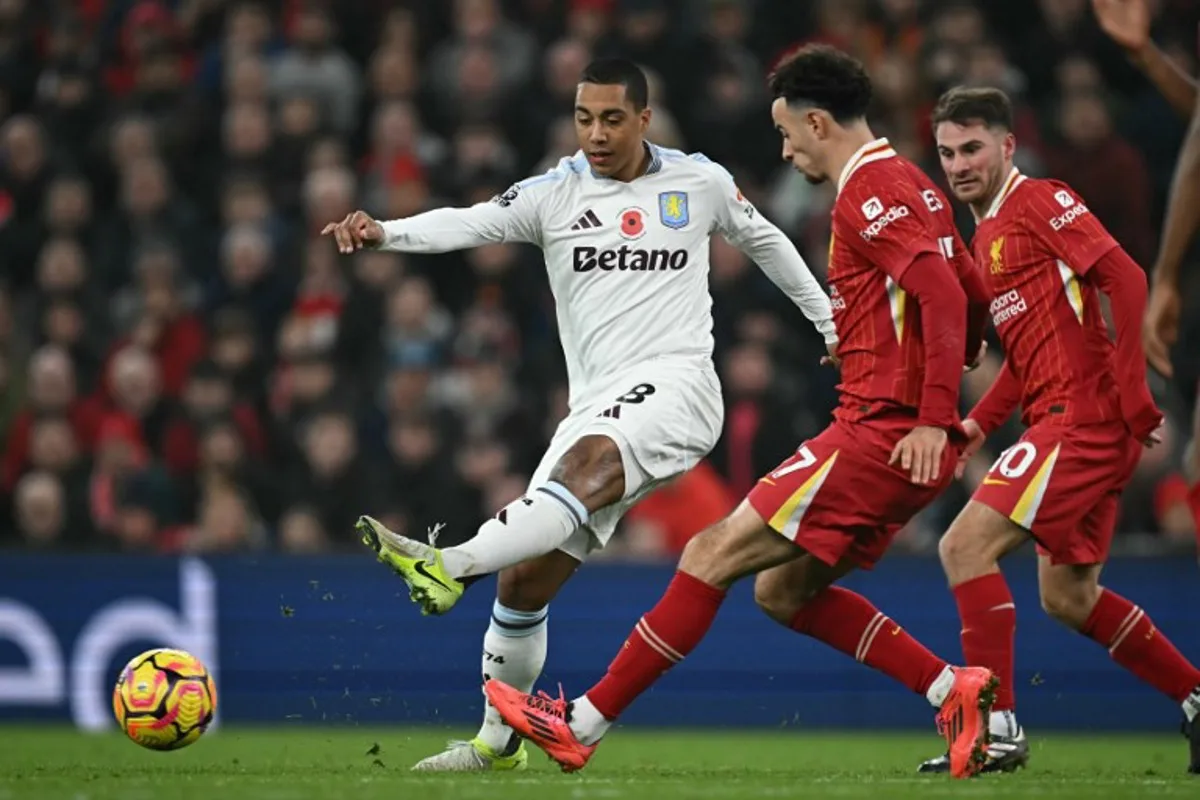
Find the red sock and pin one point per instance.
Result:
(849, 622)
(1193, 499)
(989, 621)
(660, 640)
(1138, 646)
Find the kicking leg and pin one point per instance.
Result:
(970, 552)
(1072, 594)
(800, 597)
(514, 651)
(739, 545)
(588, 477)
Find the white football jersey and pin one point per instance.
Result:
(628, 262)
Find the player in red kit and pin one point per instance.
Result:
(1086, 405)
(901, 280)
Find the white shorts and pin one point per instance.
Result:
(664, 415)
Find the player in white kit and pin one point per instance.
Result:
(624, 226)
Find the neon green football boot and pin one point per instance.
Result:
(473, 756)
(419, 564)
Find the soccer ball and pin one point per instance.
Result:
(164, 699)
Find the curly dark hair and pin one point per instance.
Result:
(825, 77)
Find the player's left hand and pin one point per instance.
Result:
(921, 452)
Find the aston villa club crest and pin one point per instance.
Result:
(673, 209)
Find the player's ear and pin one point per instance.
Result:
(1009, 145)
(817, 122)
(644, 119)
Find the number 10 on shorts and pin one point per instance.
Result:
(1013, 463)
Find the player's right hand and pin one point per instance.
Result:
(1126, 21)
(356, 231)
(832, 359)
(1160, 329)
(975, 440)
(921, 452)
(974, 365)
(1144, 418)
(1155, 438)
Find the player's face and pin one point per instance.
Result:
(975, 158)
(803, 132)
(609, 128)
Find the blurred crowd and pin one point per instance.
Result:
(186, 366)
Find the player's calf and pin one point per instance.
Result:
(784, 592)
(531, 585)
(1069, 592)
(1131, 637)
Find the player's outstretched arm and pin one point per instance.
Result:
(508, 217)
(773, 252)
(1127, 22)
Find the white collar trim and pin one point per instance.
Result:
(871, 151)
(1014, 179)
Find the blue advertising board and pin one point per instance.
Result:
(334, 640)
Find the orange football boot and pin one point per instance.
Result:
(542, 720)
(963, 719)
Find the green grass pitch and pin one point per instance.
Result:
(370, 763)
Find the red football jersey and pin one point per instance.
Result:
(887, 213)
(1035, 247)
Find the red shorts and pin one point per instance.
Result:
(837, 497)
(1063, 485)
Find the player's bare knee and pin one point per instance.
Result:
(704, 550)
(593, 471)
(960, 554)
(978, 538)
(737, 546)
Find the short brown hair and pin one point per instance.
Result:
(964, 106)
